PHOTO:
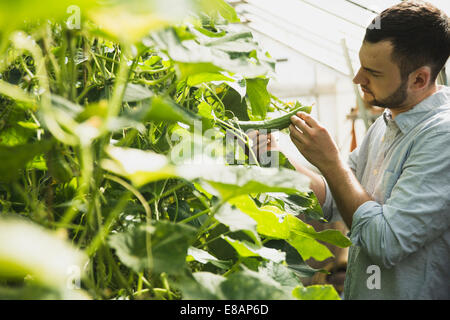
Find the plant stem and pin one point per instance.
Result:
(129, 187)
(166, 285)
(101, 235)
(195, 216)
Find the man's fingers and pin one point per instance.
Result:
(299, 123)
(296, 134)
(262, 143)
(310, 121)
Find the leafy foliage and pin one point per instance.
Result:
(114, 152)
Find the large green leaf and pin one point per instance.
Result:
(294, 260)
(316, 292)
(201, 286)
(234, 103)
(14, 158)
(270, 222)
(308, 247)
(161, 109)
(240, 42)
(334, 237)
(191, 52)
(241, 285)
(300, 204)
(233, 181)
(39, 292)
(259, 97)
(205, 257)
(275, 223)
(29, 249)
(129, 21)
(140, 166)
(251, 285)
(236, 220)
(26, 11)
(200, 78)
(136, 92)
(287, 278)
(13, 129)
(246, 249)
(216, 8)
(168, 242)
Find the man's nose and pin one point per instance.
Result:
(360, 78)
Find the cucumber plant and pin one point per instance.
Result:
(91, 175)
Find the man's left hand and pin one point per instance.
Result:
(314, 142)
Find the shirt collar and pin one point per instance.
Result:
(407, 120)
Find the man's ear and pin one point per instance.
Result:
(421, 78)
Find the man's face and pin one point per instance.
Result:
(379, 77)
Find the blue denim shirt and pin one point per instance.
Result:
(401, 239)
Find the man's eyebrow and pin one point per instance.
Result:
(372, 70)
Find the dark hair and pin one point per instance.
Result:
(419, 33)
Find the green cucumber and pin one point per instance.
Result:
(277, 123)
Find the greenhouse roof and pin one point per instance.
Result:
(322, 30)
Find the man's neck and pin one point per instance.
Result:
(432, 90)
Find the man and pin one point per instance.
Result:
(394, 193)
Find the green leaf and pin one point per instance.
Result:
(29, 12)
(37, 292)
(270, 222)
(241, 285)
(28, 125)
(246, 249)
(234, 103)
(136, 92)
(300, 204)
(259, 97)
(205, 110)
(186, 69)
(200, 78)
(13, 130)
(211, 59)
(27, 248)
(169, 243)
(184, 211)
(15, 135)
(162, 109)
(281, 274)
(129, 21)
(140, 166)
(214, 8)
(67, 107)
(233, 181)
(316, 292)
(304, 238)
(294, 260)
(235, 42)
(201, 286)
(15, 158)
(205, 257)
(308, 247)
(334, 237)
(250, 285)
(236, 220)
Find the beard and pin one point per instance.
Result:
(394, 101)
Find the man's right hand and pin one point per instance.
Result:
(262, 143)
(281, 142)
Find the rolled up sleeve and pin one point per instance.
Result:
(417, 211)
(329, 207)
